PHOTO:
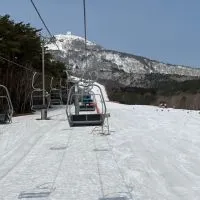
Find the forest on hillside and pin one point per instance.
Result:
(176, 94)
(20, 58)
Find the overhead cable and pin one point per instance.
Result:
(19, 65)
(43, 22)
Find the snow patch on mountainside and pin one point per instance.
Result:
(64, 42)
(124, 63)
(115, 65)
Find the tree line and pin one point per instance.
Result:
(20, 57)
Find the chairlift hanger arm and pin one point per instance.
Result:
(9, 102)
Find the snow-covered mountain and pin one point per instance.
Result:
(126, 69)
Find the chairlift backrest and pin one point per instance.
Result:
(37, 96)
(55, 92)
(6, 106)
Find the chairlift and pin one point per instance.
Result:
(64, 91)
(37, 97)
(87, 118)
(6, 108)
(64, 86)
(56, 96)
(72, 110)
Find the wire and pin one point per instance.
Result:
(86, 71)
(41, 18)
(43, 22)
(21, 66)
(85, 36)
(85, 25)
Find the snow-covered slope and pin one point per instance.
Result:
(150, 154)
(127, 69)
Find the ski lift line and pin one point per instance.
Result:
(41, 18)
(86, 52)
(85, 33)
(85, 24)
(85, 36)
(43, 22)
(19, 65)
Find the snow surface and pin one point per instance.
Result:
(151, 154)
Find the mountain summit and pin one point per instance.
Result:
(67, 42)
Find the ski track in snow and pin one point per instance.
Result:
(151, 154)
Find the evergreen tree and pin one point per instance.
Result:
(22, 44)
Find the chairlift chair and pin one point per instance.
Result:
(64, 95)
(56, 95)
(6, 108)
(63, 91)
(37, 97)
(87, 118)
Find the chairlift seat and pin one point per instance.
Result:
(87, 101)
(64, 95)
(87, 107)
(4, 117)
(86, 120)
(56, 102)
(56, 97)
(39, 107)
(37, 102)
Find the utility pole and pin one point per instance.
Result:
(76, 100)
(43, 74)
(44, 109)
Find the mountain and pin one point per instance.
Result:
(119, 67)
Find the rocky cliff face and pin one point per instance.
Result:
(125, 69)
